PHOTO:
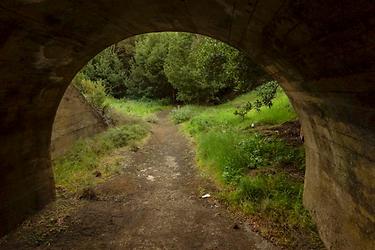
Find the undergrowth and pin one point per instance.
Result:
(91, 161)
(234, 154)
(145, 109)
(74, 170)
(253, 170)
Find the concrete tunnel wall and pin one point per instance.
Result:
(75, 119)
(322, 52)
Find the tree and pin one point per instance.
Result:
(107, 68)
(177, 66)
(147, 77)
(265, 95)
(205, 70)
(185, 67)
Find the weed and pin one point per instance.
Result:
(183, 114)
(234, 152)
(94, 91)
(73, 171)
(251, 168)
(134, 108)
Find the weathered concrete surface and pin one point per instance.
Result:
(75, 119)
(322, 52)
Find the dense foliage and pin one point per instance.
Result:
(94, 91)
(182, 67)
(203, 70)
(147, 77)
(107, 68)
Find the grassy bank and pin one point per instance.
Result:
(80, 166)
(259, 174)
(92, 160)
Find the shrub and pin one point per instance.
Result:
(121, 136)
(266, 93)
(182, 114)
(108, 69)
(94, 92)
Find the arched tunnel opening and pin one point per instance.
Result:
(100, 96)
(321, 54)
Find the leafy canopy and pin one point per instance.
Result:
(182, 67)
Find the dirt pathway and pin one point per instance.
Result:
(154, 204)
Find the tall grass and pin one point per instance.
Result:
(234, 154)
(185, 113)
(252, 169)
(74, 170)
(203, 118)
(137, 108)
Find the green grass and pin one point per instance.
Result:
(234, 154)
(252, 169)
(74, 170)
(223, 115)
(185, 113)
(141, 109)
(276, 196)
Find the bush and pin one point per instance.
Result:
(121, 136)
(108, 69)
(94, 92)
(182, 114)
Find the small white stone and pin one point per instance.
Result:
(206, 196)
(150, 178)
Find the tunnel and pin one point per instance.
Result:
(321, 52)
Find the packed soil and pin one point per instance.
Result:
(155, 203)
